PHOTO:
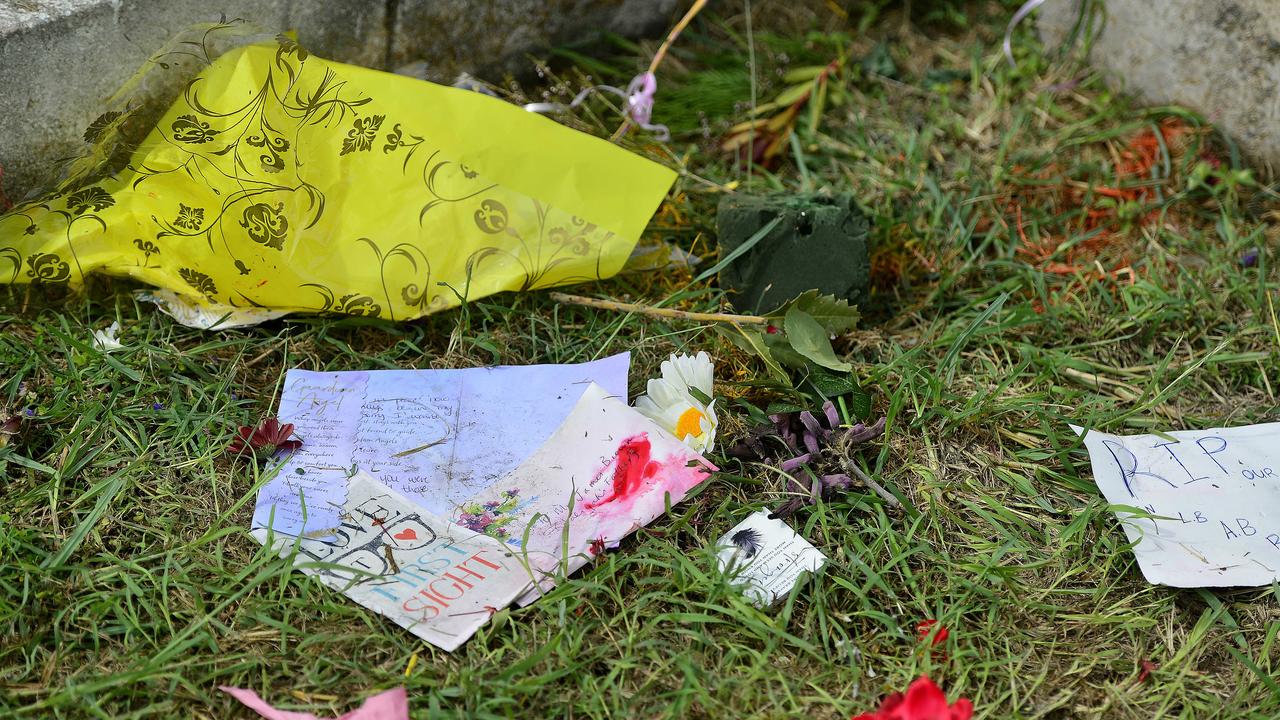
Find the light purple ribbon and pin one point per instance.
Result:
(638, 100)
(1027, 8)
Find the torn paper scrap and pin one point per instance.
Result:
(766, 558)
(438, 580)
(390, 705)
(1206, 503)
(436, 436)
(605, 472)
(204, 315)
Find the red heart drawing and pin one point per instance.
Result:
(406, 534)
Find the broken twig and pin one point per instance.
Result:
(658, 312)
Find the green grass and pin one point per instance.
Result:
(129, 587)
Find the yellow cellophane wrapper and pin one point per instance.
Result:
(283, 181)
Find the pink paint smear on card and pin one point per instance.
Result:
(390, 705)
(641, 484)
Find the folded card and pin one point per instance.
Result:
(605, 472)
(440, 581)
(436, 436)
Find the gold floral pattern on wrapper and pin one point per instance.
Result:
(284, 181)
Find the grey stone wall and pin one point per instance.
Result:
(60, 59)
(1218, 57)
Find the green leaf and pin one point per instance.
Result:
(809, 338)
(802, 74)
(698, 395)
(835, 315)
(752, 341)
(781, 350)
(831, 385)
(818, 105)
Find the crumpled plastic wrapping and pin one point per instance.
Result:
(282, 182)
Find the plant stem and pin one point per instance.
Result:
(659, 312)
(856, 471)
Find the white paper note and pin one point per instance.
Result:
(1214, 495)
(438, 437)
(766, 558)
(440, 581)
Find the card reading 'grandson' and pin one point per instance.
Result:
(433, 578)
(766, 558)
(1213, 498)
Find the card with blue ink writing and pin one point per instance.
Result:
(434, 578)
(436, 436)
(765, 558)
(1201, 508)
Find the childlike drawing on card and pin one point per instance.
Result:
(436, 579)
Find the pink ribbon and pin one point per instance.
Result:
(637, 98)
(1027, 8)
(390, 705)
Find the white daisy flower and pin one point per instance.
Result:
(670, 404)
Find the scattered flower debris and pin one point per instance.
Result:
(265, 440)
(9, 427)
(924, 627)
(817, 444)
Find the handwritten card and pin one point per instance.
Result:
(766, 558)
(435, 436)
(605, 472)
(311, 486)
(1212, 497)
(440, 581)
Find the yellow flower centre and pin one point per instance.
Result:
(690, 423)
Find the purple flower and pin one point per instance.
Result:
(1249, 258)
(157, 406)
(29, 412)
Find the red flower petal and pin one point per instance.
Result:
(924, 626)
(923, 701)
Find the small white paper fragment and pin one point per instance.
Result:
(437, 580)
(203, 315)
(1207, 503)
(766, 558)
